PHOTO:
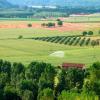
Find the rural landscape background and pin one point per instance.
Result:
(50, 50)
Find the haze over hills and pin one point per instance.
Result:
(72, 3)
(57, 2)
(5, 4)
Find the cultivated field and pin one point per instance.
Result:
(26, 50)
(67, 27)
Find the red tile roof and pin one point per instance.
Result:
(70, 65)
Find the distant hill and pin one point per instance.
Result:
(5, 4)
(72, 3)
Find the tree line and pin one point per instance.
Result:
(43, 81)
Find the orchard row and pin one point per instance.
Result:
(70, 40)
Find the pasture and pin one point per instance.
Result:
(26, 50)
(89, 18)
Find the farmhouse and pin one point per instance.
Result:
(73, 65)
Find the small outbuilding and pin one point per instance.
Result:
(73, 65)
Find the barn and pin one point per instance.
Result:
(73, 65)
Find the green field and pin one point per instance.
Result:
(34, 32)
(83, 19)
(30, 50)
(73, 19)
(27, 50)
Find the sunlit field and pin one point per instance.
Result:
(26, 50)
(30, 50)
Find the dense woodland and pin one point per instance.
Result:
(42, 81)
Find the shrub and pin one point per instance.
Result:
(90, 33)
(72, 41)
(29, 25)
(50, 24)
(84, 33)
(60, 23)
(43, 24)
(77, 41)
(82, 41)
(99, 32)
(67, 41)
(20, 37)
(88, 41)
(93, 43)
(63, 39)
(58, 39)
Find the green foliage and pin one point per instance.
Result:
(10, 93)
(4, 79)
(90, 33)
(95, 77)
(18, 68)
(37, 82)
(72, 78)
(46, 94)
(87, 33)
(29, 25)
(50, 24)
(93, 43)
(96, 66)
(69, 40)
(28, 95)
(58, 20)
(68, 96)
(77, 96)
(7, 68)
(43, 24)
(99, 32)
(47, 78)
(84, 33)
(88, 41)
(20, 37)
(60, 23)
(36, 69)
(26, 85)
(92, 82)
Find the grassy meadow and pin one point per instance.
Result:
(85, 19)
(26, 50)
(73, 18)
(6, 33)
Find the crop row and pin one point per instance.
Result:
(67, 40)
